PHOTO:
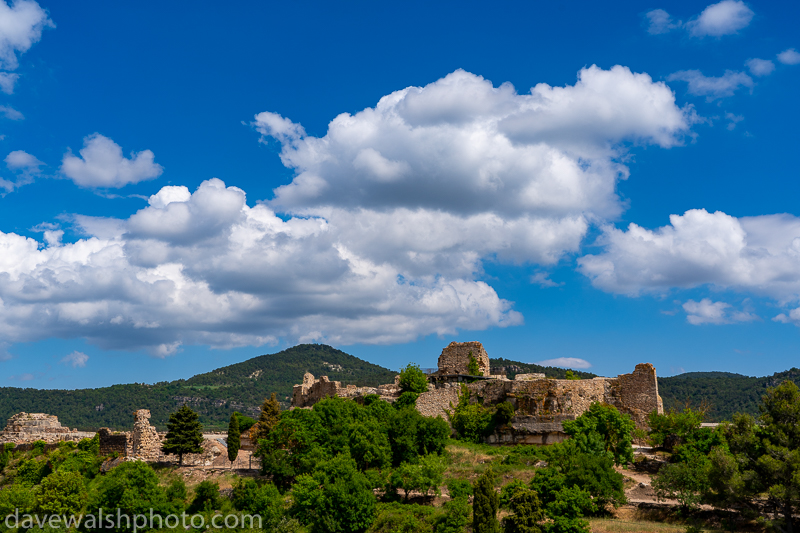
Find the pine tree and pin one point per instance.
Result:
(485, 504)
(184, 433)
(234, 441)
(270, 415)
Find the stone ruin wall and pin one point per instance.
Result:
(455, 358)
(313, 390)
(541, 404)
(24, 428)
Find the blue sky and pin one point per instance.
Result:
(188, 185)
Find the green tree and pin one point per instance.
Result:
(412, 379)
(264, 501)
(206, 497)
(424, 476)
(615, 428)
(674, 427)
(133, 488)
(572, 376)
(684, 481)
(567, 510)
(269, 417)
(527, 513)
(62, 493)
(234, 441)
(485, 504)
(471, 421)
(184, 433)
(335, 498)
(455, 517)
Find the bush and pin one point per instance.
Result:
(473, 369)
(16, 496)
(403, 518)
(133, 488)
(673, 428)
(503, 414)
(206, 497)
(32, 471)
(615, 428)
(424, 476)
(61, 493)
(412, 379)
(455, 517)
(527, 513)
(406, 399)
(335, 498)
(471, 421)
(264, 501)
(459, 488)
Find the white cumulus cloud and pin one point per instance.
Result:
(75, 359)
(760, 67)
(716, 20)
(566, 362)
(758, 254)
(379, 238)
(21, 26)
(723, 18)
(710, 86)
(789, 56)
(102, 164)
(707, 312)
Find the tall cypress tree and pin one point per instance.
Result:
(485, 504)
(184, 433)
(234, 441)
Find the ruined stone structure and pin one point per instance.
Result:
(145, 441)
(111, 442)
(540, 404)
(455, 358)
(313, 390)
(24, 428)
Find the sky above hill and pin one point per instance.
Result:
(188, 185)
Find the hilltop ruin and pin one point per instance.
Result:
(540, 404)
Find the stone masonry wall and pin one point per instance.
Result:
(30, 427)
(455, 358)
(113, 442)
(145, 441)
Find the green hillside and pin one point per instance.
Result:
(243, 386)
(724, 393)
(215, 395)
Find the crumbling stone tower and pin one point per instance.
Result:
(145, 440)
(455, 358)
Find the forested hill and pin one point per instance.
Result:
(722, 392)
(530, 368)
(215, 395)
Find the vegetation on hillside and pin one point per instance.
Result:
(214, 395)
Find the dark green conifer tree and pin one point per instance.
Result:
(485, 504)
(184, 433)
(234, 440)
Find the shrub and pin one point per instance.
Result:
(16, 496)
(32, 471)
(206, 497)
(615, 428)
(412, 379)
(473, 369)
(455, 517)
(264, 501)
(459, 488)
(62, 493)
(406, 399)
(504, 413)
(133, 488)
(527, 513)
(335, 498)
(470, 420)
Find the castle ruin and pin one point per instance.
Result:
(23, 428)
(540, 404)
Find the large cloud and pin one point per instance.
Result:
(21, 26)
(477, 167)
(755, 254)
(379, 238)
(249, 278)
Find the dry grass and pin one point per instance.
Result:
(605, 525)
